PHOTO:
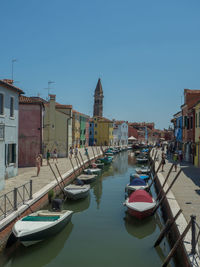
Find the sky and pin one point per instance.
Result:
(145, 52)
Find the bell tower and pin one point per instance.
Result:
(98, 100)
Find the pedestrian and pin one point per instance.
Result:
(163, 161)
(180, 155)
(71, 151)
(38, 163)
(76, 151)
(175, 159)
(86, 151)
(55, 155)
(48, 156)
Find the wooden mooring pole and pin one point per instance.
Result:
(173, 250)
(79, 168)
(82, 160)
(93, 152)
(81, 165)
(169, 172)
(155, 175)
(166, 229)
(57, 179)
(60, 175)
(165, 193)
(73, 168)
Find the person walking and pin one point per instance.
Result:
(86, 151)
(55, 155)
(38, 163)
(48, 156)
(76, 151)
(71, 151)
(163, 161)
(175, 159)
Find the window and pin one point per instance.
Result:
(11, 153)
(2, 131)
(90, 132)
(95, 125)
(95, 132)
(12, 107)
(191, 122)
(196, 120)
(1, 104)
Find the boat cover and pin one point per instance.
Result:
(40, 218)
(78, 182)
(137, 181)
(140, 196)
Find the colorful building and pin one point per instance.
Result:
(91, 132)
(57, 127)
(197, 134)
(31, 119)
(103, 131)
(178, 125)
(120, 133)
(84, 130)
(9, 109)
(76, 128)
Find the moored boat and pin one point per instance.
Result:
(136, 184)
(92, 171)
(74, 191)
(135, 175)
(142, 160)
(143, 170)
(87, 179)
(40, 225)
(140, 204)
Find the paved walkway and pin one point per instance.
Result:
(45, 176)
(186, 188)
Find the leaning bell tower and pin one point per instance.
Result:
(98, 100)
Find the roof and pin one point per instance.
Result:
(103, 119)
(30, 100)
(81, 114)
(99, 89)
(8, 84)
(63, 106)
(119, 122)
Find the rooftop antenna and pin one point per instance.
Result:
(13, 61)
(48, 88)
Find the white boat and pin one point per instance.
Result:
(140, 204)
(40, 225)
(74, 191)
(142, 160)
(87, 179)
(92, 171)
(143, 170)
(136, 184)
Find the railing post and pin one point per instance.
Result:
(193, 241)
(15, 198)
(31, 189)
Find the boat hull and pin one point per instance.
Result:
(30, 239)
(140, 214)
(76, 196)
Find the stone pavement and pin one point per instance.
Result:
(186, 188)
(46, 175)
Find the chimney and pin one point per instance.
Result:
(52, 97)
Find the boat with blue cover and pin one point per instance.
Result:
(40, 225)
(136, 184)
(135, 175)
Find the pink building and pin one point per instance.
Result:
(31, 112)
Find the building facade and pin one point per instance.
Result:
(57, 127)
(103, 131)
(31, 119)
(197, 134)
(91, 132)
(120, 133)
(9, 110)
(76, 128)
(178, 126)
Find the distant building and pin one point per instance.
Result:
(9, 108)
(120, 133)
(103, 131)
(98, 100)
(31, 121)
(57, 127)
(91, 132)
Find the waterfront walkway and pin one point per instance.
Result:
(186, 188)
(45, 176)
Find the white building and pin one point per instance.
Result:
(120, 133)
(9, 106)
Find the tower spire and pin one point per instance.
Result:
(98, 100)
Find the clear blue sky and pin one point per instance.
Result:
(146, 52)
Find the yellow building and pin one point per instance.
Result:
(57, 127)
(103, 131)
(76, 128)
(197, 134)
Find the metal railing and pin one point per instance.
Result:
(12, 200)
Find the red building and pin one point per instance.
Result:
(30, 130)
(132, 131)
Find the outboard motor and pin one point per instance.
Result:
(57, 204)
(78, 182)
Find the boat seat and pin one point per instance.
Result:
(48, 214)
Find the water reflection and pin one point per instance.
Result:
(77, 205)
(139, 229)
(42, 253)
(131, 159)
(97, 190)
(123, 166)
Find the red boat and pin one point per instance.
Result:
(140, 204)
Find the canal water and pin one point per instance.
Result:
(101, 233)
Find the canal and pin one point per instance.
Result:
(100, 233)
